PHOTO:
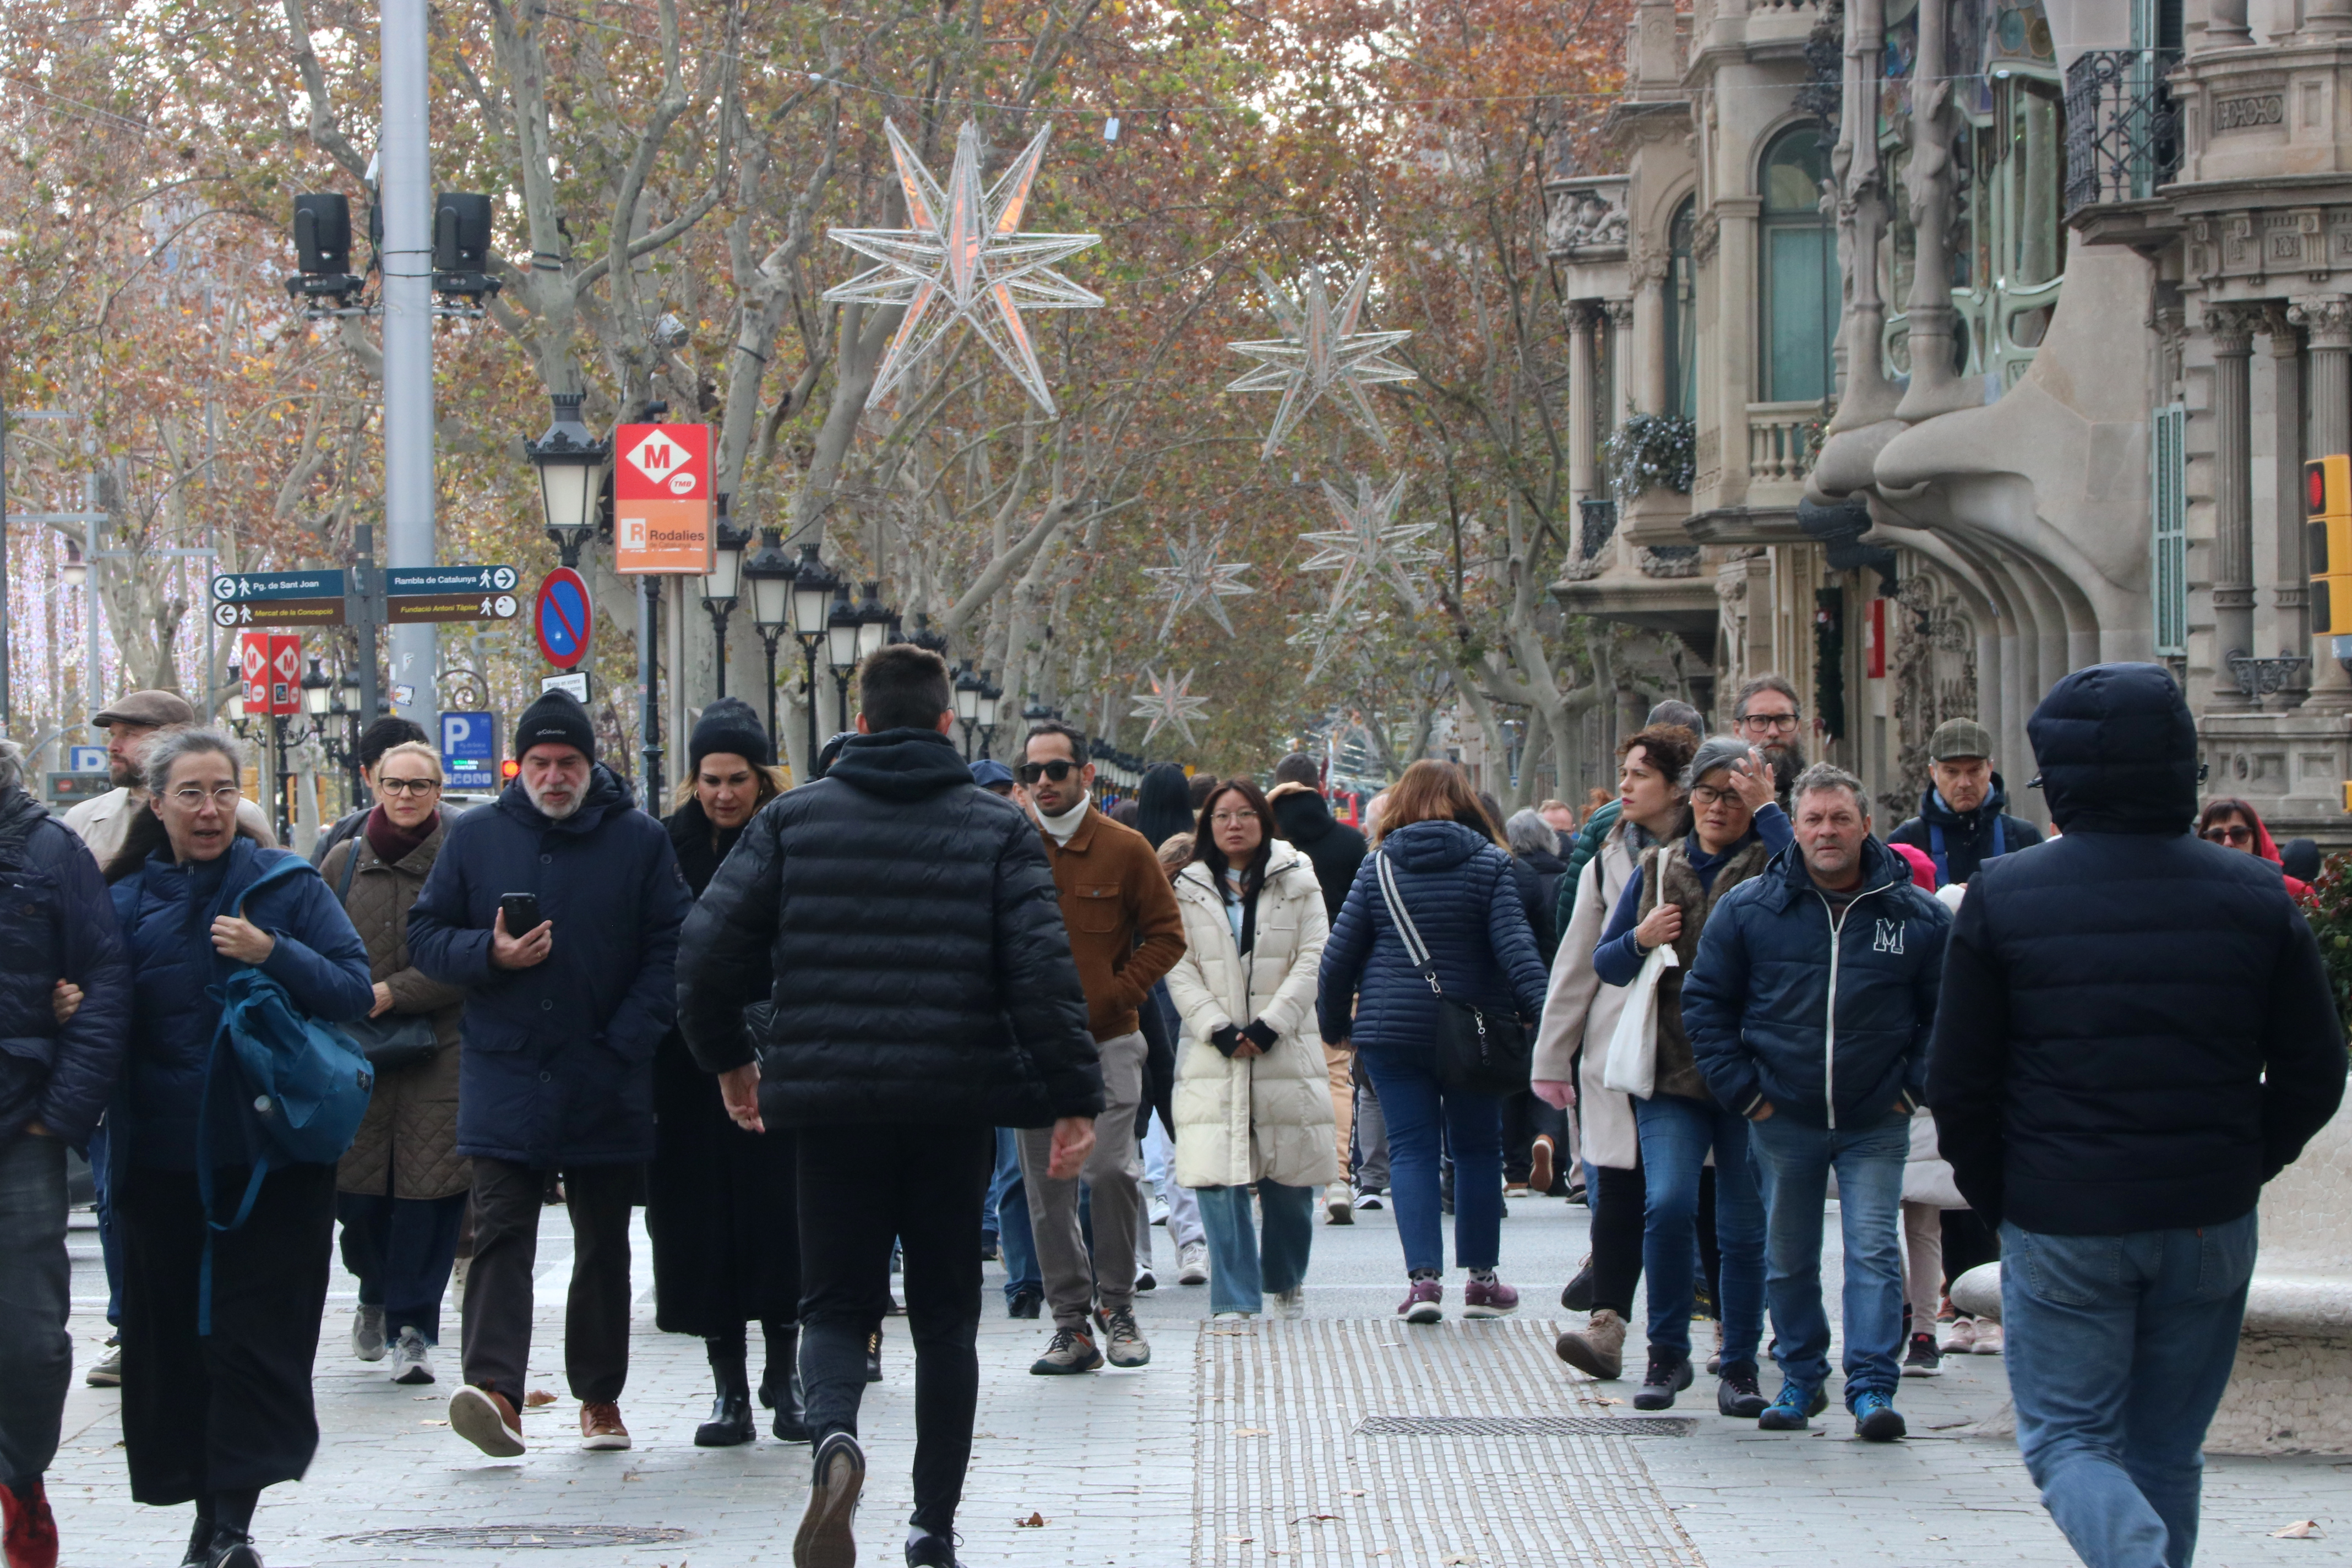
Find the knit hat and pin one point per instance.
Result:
(729, 724)
(556, 717)
(1715, 751)
(1958, 738)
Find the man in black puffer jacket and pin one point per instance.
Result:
(1303, 819)
(2135, 1034)
(904, 924)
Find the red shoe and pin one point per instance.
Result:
(1423, 1304)
(1488, 1299)
(30, 1538)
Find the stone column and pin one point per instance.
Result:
(2325, 19)
(2232, 329)
(1581, 420)
(1936, 387)
(2225, 26)
(1620, 316)
(1870, 396)
(2291, 584)
(2328, 429)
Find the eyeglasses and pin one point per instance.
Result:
(408, 786)
(1232, 818)
(1705, 795)
(2236, 833)
(1779, 723)
(190, 798)
(1031, 772)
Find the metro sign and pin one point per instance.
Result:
(271, 664)
(665, 463)
(661, 499)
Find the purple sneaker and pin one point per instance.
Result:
(1488, 1299)
(1420, 1304)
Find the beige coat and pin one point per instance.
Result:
(1265, 1117)
(1579, 1010)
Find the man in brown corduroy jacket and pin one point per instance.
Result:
(1126, 933)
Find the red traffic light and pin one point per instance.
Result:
(2327, 486)
(510, 770)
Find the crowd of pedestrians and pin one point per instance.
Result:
(916, 1013)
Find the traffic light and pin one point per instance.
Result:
(2327, 531)
(508, 771)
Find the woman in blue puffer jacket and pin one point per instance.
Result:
(1459, 891)
(212, 1418)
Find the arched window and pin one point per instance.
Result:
(1682, 321)
(1798, 293)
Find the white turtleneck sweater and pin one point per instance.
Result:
(1062, 828)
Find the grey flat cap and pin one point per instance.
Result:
(1958, 738)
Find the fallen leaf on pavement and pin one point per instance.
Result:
(1358, 1492)
(1238, 1538)
(1251, 1432)
(1034, 1522)
(536, 1397)
(433, 1423)
(2300, 1529)
(1606, 1400)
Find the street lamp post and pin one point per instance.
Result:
(769, 572)
(813, 588)
(843, 632)
(719, 585)
(568, 457)
(992, 697)
(967, 705)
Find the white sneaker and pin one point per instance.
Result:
(1339, 1205)
(1234, 1317)
(367, 1334)
(1959, 1336)
(1988, 1338)
(1192, 1263)
(1159, 1210)
(1290, 1303)
(106, 1372)
(412, 1358)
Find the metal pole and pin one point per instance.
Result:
(405, 187)
(718, 609)
(649, 690)
(364, 593)
(808, 685)
(6, 715)
(770, 644)
(278, 767)
(89, 599)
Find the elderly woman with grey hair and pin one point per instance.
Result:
(1730, 830)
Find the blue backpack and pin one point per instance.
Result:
(307, 1084)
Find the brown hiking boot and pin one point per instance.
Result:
(1600, 1350)
(600, 1427)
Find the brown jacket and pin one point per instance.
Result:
(1125, 929)
(406, 1146)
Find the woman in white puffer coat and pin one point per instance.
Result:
(1253, 1101)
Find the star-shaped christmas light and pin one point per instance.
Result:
(1326, 637)
(964, 259)
(1168, 703)
(1368, 542)
(1320, 353)
(1195, 576)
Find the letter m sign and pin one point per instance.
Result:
(1889, 937)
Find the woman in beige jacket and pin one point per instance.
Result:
(1252, 1102)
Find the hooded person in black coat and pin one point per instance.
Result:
(1303, 819)
(2134, 1034)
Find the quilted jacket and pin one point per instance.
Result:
(56, 923)
(1464, 897)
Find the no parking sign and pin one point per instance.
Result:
(561, 618)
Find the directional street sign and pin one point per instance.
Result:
(448, 582)
(561, 617)
(406, 607)
(469, 750)
(240, 587)
(249, 613)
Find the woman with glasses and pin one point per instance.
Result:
(2234, 824)
(1728, 832)
(212, 1417)
(401, 1190)
(1252, 1100)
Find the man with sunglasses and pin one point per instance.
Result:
(1767, 716)
(1126, 933)
(1961, 825)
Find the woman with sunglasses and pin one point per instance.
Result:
(401, 1191)
(2234, 824)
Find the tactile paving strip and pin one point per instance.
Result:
(522, 1537)
(1525, 1425)
(1285, 1474)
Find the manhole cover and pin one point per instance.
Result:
(1528, 1425)
(517, 1537)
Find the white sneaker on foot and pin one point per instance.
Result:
(412, 1358)
(1988, 1338)
(1338, 1204)
(1192, 1263)
(367, 1334)
(1159, 1210)
(1290, 1303)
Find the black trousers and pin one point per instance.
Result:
(230, 1411)
(1617, 1224)
(1967, 1241)
(497, 1305)
(860, 1186)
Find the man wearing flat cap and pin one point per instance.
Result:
(104, 822)
(1961, 824)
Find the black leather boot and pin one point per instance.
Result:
(730, 1423)
(873, 1356)
(779, 1389)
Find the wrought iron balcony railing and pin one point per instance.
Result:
(2123, 129)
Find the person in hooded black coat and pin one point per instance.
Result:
(1303, 819)
(720, 1201)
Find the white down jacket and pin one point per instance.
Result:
(1265, 1117)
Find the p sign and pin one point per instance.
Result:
(469, 750)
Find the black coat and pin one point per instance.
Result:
(720, 1202)
(2136, 1032)
(56, 923)
(1305, 822)
(903, 920)
(1544, 872)
(558, 1064)
(1968, 838)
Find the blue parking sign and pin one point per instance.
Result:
(469, 750)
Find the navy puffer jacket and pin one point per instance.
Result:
(166, 911)
(56, 923)
(558, 1062)
(1758, 1002)
(1463, 896)
(2136, 1031)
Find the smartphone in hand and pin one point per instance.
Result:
(522, 911)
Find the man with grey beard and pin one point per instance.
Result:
(558, 910)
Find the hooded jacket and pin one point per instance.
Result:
(903, 923)
(1966, 838)
(56, 923)
(2135, 1030)
(1823, 1013)
(1336, 850)
(1462, 896)
(558, 1062)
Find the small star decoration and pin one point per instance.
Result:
(1168, 704)
(1320, 353)
(1195, 576)
(1367, 541)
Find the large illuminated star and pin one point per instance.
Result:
(1168, 703)
(1195, 576)
(964, 259)
(1368, 542)
(1320, 353)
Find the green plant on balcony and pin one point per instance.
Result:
(1651, 451)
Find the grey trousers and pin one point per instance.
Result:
(1113, 1175)
(35, 1294)
(1372, 1136)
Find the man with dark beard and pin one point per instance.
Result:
(1766, 715)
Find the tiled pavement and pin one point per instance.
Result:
(1157, 1468)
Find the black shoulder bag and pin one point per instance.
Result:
(1478, 1052)
(393, 1040)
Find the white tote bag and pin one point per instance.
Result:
(1633, 1065)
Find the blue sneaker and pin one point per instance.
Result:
(1876, 1419)
(1794, 1409)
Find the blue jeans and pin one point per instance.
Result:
(1008, 1205)
(1472, 1126)
(401, 1250)
(2119, 1348)
(36, 1295)
(109, 1250)
(1677, 1134)
(1240, 1268)
(1794, 1162)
